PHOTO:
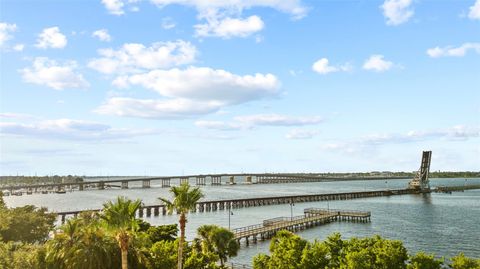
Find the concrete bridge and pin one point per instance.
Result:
(216, 205)
(167, 181)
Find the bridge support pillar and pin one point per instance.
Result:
(200, 180)
(124, 184)
(101, 185)
(232, 180)
(183, 180)
(216, 180)
(248, 179)
(146, 183)
(81, 186)
(165, 183)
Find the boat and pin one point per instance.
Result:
(61, 191)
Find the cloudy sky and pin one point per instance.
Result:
(171, 87)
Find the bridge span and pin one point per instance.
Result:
(200, 180)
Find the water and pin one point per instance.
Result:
(445, 224)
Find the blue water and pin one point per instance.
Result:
(444, 224)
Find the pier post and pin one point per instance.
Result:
(124, 184)
(80, 186)
(232, 180)
(248, 179)
(146, 183)
(183, 180)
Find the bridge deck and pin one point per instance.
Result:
(313, 217)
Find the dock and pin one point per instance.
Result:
(312, 217)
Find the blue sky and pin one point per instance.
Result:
(170, 87)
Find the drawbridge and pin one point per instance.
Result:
(421, 181)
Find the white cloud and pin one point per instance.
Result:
(69, 129)
(251, 121)
(219, 125)
(453, 51)
(102, 35)
(301, 134)
(278, 120)
(18, 47)
(474, 13)
(323, 67)
(230, 27)
(397, 11)
(51, 38)
(168, 23)
(133, 57)
(205, 84)
(5, 32)
(156, 109)
(377, 63)
(114, 7)
(293, 7)
(54, 75)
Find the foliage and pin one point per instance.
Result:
(184, 200)
(20, 256)
(119, 218)
(27, 224)
(289, 251)
(164, 254)
(462, 262)
(422, 260)
(217, 240)
(162, 233)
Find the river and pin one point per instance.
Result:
(444, 224)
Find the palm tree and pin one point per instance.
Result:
(119, 218)
(184, 200)
(217, 240)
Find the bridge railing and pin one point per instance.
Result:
(313, 210)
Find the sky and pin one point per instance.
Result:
(178, 87)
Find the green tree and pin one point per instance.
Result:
(218, 240)
(119, 218)
(2, 202)
(162, 233)
(184, 200)
(17, 255)
(315, 255)
(462, 262)
(82, 244)
(286, 250)
(164, 254)
(422, 260)
(27, 224)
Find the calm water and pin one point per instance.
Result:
(441, 223)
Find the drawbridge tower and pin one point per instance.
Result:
(421, 181)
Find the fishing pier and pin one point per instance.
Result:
(312, 217)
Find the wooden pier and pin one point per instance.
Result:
(312, 217)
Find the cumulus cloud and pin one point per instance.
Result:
(53, 74)
(134, 57)
(474, 13)
(6, 30)
(230, 27)
(453, 51)
(251, 121)
(205, 84)
(301, 134)
(397, 11)
(51, 38)
(114, 7)
(69, 129)
(322, 66)
(102, 35)
(156, 109)
(377, 63)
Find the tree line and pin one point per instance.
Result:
(115, 238)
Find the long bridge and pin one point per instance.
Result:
(216, 205)
(200, 180)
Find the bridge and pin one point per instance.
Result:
(216, 205)
(312, 217)
(200, 180)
